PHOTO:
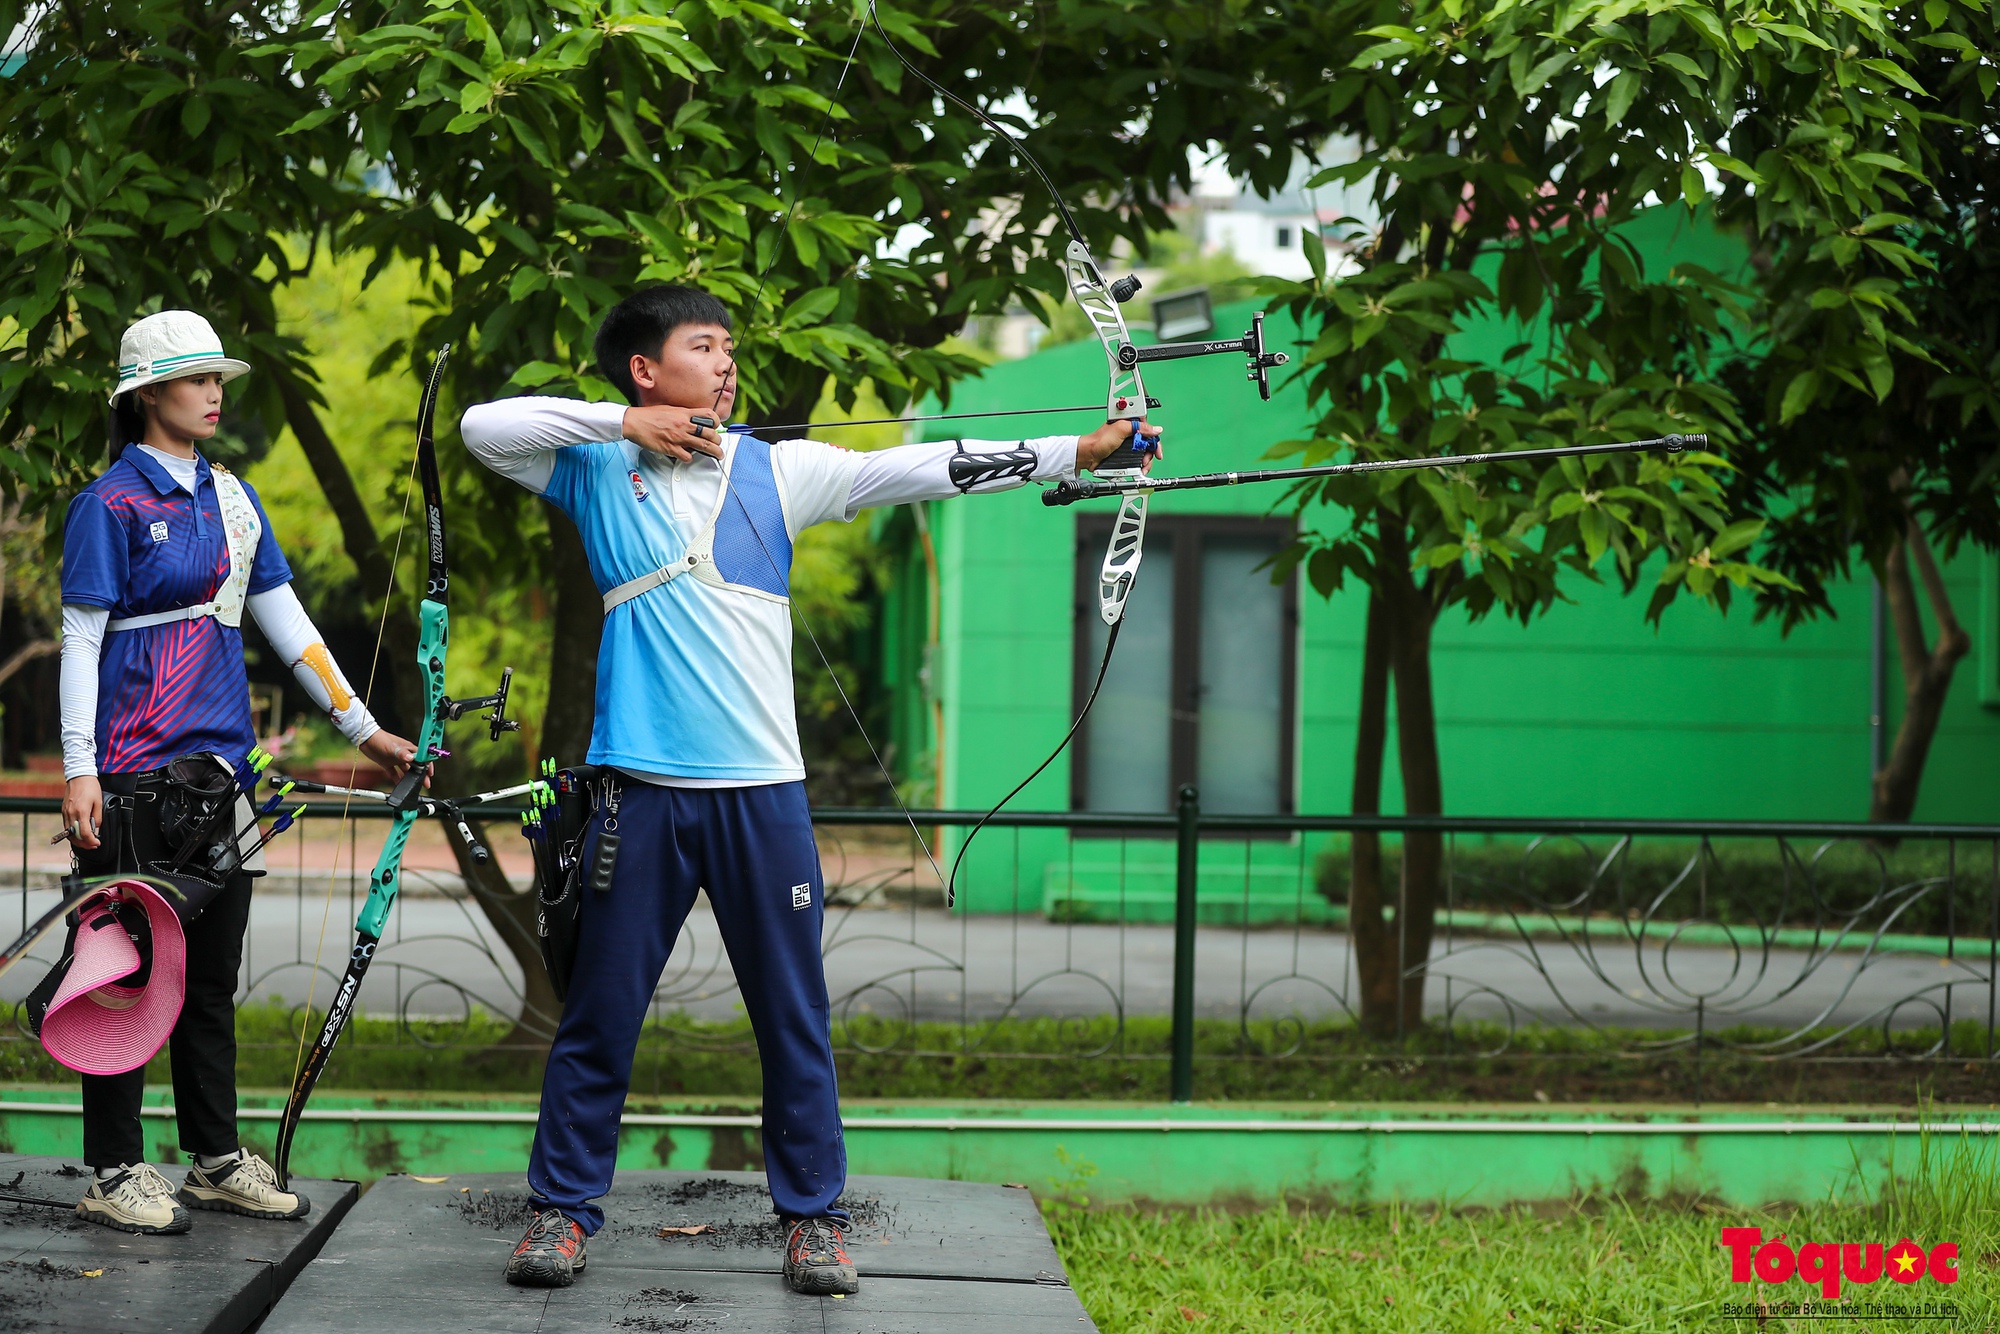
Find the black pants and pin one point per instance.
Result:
(202, 1048)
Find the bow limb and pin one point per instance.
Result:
(434, 618)
(1125, 400)
(1125, 392)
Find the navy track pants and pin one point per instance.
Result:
(752, 850)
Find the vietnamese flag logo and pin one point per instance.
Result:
(1907, 1261)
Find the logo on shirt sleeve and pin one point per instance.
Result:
(160, 530)
(639, 491)
(802, 897)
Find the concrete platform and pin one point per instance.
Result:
(935, 1256)
(60, 1273)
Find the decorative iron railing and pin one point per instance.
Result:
(1669, 939)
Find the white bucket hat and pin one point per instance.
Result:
(168, 346)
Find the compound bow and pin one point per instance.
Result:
(407, 800)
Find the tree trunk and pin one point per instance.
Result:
(27, 653)
(566, 724)
(357, 535)
(1927, 671)
(1411, 616)
(579, 625)
(1374, 948)
(512, 913)
(10, 523)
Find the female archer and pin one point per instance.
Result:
(161, 557)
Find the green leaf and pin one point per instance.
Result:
(1895, 73)
(1881, 376)
(1798, 34)
(537, 373)
(1624, 90)
(1799, 395)
(1440, 556)
(1884, 161)
(1596, 530)
(1735, 537)
(1692, 188)
(1531, 82)
(312, 120)
(811, 308)
(1315, 250)
(1378, 53)
(1724, 162)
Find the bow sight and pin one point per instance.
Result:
(497, 722)
(1251, 345)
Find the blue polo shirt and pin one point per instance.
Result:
(134, 543)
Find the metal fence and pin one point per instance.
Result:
(1131, 936)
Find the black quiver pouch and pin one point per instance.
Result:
(175, 824)
(560, 868)
(198, 814)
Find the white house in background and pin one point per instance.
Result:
(1265, 235)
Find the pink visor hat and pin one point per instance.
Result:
(96, 1026)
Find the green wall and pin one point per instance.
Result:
(1205, 1153)
(1588, 711)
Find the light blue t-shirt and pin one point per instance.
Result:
(694, 678)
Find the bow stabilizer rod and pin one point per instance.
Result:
(1126, 484)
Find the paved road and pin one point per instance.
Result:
(906, 961)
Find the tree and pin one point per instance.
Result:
(1508, 151)
(140, 167)
(540, 160)
(1883, 446)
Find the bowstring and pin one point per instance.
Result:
(353, 772)
(729, 484)
(946, 882)
(1111, 640)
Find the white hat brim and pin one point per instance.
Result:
(228, 367)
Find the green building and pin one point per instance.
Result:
(1251, 691)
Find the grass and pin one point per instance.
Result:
(1594, 1264)
(1045, 1059)
(1747, 881)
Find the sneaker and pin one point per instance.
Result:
(246, 1185)
(816, 1259)
(551, 1255)
(138, 1199)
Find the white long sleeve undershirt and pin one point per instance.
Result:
(519, 437)
(82, 645)
(279, 614)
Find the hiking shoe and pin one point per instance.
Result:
(816, 1260)
(551, 1255)
(246, 1185)
(138, 1199)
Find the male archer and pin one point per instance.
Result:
(689, 528)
